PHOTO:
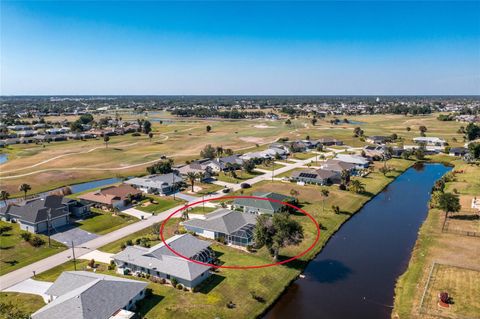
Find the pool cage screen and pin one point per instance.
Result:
(243, 236)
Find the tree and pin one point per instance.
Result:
(4, 195)
(357, 132)
(474, 150)
(147, 127)
(208, 128)
(85, 118)
(336, 209)
(314, 121)
(208, 152)
(76, 126)
(449, 203)
(325, 193)
(150, 136)
(345, 177)
(162, 167)
(277, 232)
(219, 151)
(384, 170)
(294, 193)
(24, 188)
(357, 186)
(288, 122)
(408, 128)
(419, 154)
(106, 139)
(406, 154)
(472, 132)
(422, 129)
(192, 177)
(248, 166)
(156, 229)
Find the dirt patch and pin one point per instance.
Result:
(263, 126)
(252, 139)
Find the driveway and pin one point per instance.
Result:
(98, 255)
(75, 234)
(30, 286)
(188, 198)
(136, 213)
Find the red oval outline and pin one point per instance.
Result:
(241, 267)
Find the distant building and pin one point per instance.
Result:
(430, 141)
(112, 196)
(316, 176)
(260, 206)
(376, 139)
(157, 184)
(457, 151)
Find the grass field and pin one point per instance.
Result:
(206, 188)
(462, 285)
(101, 222)
(16, 253)
(62, 163)
(162, 204)
(445, 248)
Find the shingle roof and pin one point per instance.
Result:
(224, 221)
(263, 204)
(87, 295)
(337, 165)
(160, 258)
(315, 173)
(37, 210)
(156, 181)
(108, 194)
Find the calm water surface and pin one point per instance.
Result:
(354, 276)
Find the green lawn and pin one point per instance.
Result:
(269, 167)
(16, 253)
(241, 176)
(104, 222)
(206, 189)
(198, 209)
(26, 303)
(303, 156)
(161, 204)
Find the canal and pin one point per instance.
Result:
(354, 275)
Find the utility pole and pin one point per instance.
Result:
(173, 185)
(49, 216)
(74, 260)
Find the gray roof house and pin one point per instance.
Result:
(338, 166)
(259, 206)
(316, 176)
(376, 139)
(233, 227)
(36, 215)
(162, 184)
(87, 295)
(161, 262)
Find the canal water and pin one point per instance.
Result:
(354, 276)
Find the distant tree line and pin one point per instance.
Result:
(207, 112)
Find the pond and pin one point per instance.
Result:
(354, 275)
(3, 158)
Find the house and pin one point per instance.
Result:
(197, 167)
(260, 206)
(160, 262)
(226, 163)
(339, 166)
(457, 151)
(235, 228)
(269, 153)
(112, 196)
(359, 161)
(88, 295)
(328, 141)
(77, 208)
(316, 176)
(39, 215)
(376, 139)
(157, 184)
(376, 152)
(430, 141)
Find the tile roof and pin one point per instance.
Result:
(108, 194)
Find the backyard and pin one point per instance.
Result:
(101, 222)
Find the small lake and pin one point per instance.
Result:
(77, 188)
(354, 275)
(3, 158)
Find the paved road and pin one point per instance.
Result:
(26, 272)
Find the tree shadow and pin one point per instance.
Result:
(210, 283)
(329, 271)
(11, 262)
(465, 217)
(6, 247)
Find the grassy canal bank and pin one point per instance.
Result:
(445, 258)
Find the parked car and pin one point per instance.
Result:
(245, 185)
(226, 190)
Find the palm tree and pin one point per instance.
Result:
(25, 188)
(150, 135)
(345, 177)
(325, 194)
(4, 195)
(106, 139)
(219, 151)
(201, 176)
(192, 177)
(357, 186)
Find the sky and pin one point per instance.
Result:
(239, 48)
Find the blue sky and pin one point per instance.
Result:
(232, 47)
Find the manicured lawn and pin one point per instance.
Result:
(269, 167)
(162, 204)
(241, 176)
(16, 253)
(105, 222)
(206, 189)
(26, 303)
(201, 210)
(303, 156)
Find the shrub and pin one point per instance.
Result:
(148, 292)
(26, 236)
(91, 263)
(179, 286)
(185, 289)
(174, 282)
(342, 187)
(136, 134)
(129, 242)
(112, 265)
(5, 229)
(162, 281)
(123, 246)
(137, 241)
(36, 241)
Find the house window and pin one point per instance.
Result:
(168, 276)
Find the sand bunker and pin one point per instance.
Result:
(262, 126)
